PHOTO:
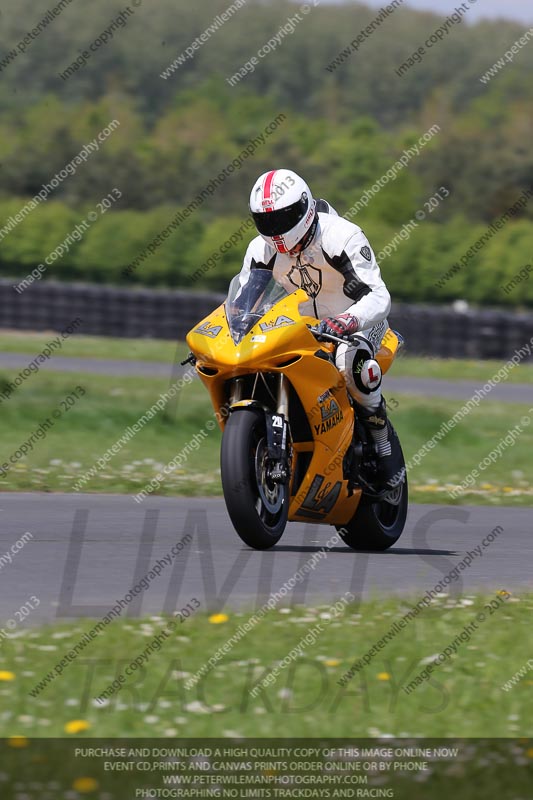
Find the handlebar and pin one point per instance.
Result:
(190, 360)
(330, 337)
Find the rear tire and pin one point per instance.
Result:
(377, 526)
(257, 508)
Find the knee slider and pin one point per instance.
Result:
(366, 371)
(371, 374)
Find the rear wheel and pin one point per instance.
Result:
(377, 526)
(258, 507)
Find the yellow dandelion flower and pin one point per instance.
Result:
(383, 676)
(5, 675)
(76, 726)
(332, 662)
(529, 753)
(217, 619)
(85, 785)
(18, 741)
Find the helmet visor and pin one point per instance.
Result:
(276, 223)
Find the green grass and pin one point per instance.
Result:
(159, 350)
(463, 698)
(92, 347)
(455, 369)
(86, 431)
(508, 480)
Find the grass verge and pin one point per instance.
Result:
(453, 369)
(463, 697)
(92, 347)
(87, 430)
(458, 369)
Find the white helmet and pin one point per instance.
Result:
(283, 209)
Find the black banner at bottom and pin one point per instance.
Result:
(126, 769)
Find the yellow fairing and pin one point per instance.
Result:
(390, 344)
(282, 343)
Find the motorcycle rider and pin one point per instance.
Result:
(306, 244)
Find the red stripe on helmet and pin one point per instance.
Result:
(267, 189)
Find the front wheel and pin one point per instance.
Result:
(377, 526)
(258, 507)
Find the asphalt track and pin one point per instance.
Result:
(422, 387)
(89, 550)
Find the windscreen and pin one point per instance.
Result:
(248, 302)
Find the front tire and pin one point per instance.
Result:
(377, 526)
(257, 507)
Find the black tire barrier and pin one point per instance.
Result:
(169, 314)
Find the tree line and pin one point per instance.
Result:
(343, 130)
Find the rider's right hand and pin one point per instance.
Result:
(343, 325)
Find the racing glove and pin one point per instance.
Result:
(343, 325)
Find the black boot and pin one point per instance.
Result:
(391, 467)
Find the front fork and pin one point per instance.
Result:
(282, 394)
(277, 429)
(277, 426)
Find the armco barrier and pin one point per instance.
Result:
(165, 314)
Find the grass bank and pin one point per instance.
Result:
(463, 696)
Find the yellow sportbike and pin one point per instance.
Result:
(292, 446)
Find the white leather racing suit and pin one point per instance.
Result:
(339, 272)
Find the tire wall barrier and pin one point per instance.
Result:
(165, 314)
